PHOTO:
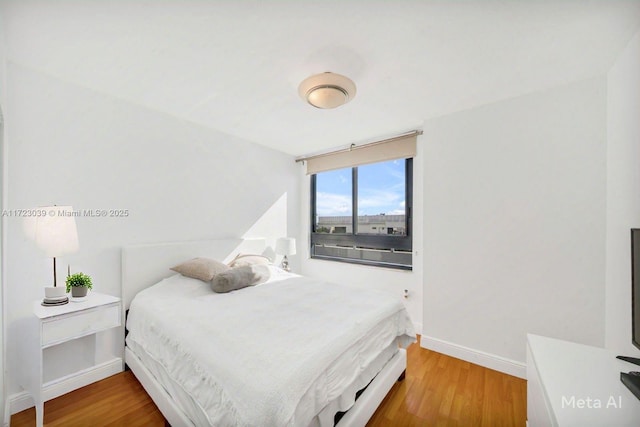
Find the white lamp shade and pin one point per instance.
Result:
(56, 233)
(286, 246)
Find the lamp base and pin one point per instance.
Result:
(285, 264)
(54, 291)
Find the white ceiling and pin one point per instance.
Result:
(235, 66)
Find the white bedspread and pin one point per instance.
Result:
(269, 355)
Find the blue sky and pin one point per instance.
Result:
(381, 190)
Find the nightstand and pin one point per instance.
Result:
(64, 348)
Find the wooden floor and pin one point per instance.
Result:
(438, 391)
(443, 391)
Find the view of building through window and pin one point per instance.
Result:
(363, 214)
(380, 203)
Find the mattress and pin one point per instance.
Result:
(276, 354)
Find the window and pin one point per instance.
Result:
(363, 214)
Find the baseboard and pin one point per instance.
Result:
(488, 360)
(20, 401)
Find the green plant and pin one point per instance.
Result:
(79, 279)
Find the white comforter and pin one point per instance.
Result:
(260, 356)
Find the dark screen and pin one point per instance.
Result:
(635, 286)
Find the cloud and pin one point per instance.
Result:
(329, 204)
(394, 169)
(371, 201)
(375, 202)
(381, 200)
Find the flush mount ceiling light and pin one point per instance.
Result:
(327, 90)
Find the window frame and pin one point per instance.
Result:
(373, 241)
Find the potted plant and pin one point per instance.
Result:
(79, 284)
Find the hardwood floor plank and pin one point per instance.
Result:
(438, 390)
(119, 400)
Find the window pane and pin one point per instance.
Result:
(334, 204)
(381, 198)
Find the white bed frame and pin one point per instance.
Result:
(145, 265)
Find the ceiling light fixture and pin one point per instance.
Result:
(327, 90)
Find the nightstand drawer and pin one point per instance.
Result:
(77, 324)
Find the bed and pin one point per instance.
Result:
(291, 351)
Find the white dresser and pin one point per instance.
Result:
(571, 384)
(63, 348)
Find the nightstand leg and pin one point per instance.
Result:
(39, 413)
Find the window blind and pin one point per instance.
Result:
(400, 147)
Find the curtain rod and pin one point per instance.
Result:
(357, 147)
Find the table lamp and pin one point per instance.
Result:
(285, 246)
(56, 234)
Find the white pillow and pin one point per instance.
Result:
(249, 259)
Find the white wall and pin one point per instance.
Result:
(367, 277)
(514, 221)
(3, 93)
(179, 181)
(623, 192)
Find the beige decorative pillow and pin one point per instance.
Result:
(240, 277)
(249, 259)
(200, 268)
